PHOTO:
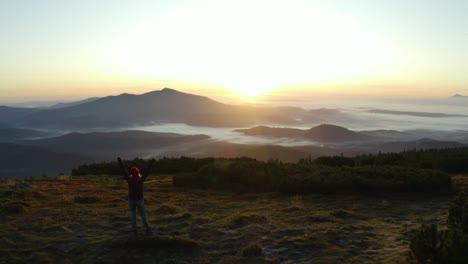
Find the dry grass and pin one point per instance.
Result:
(86, 220)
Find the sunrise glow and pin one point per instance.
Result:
(243, 48)
(251, 56)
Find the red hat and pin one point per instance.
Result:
(135, 172)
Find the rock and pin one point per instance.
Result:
(67, 229)
(342, 243)
(252, 251)
(279, 250)
(22, 185)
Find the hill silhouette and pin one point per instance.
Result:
(106, 145)
(127, 110)
(333, 133)
(164, 106)
(63, 105)
(11, 134)
(17, 161)
(320, 133)
(411, 113)
(9, 116)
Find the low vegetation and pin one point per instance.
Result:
(431, 244)
(245, 211)
(445, 160)
(412, 171)
(50, 220)
(248, 175)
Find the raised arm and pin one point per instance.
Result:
(122, 169)
(148, 170)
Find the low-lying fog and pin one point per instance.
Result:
(445, 119)
(433, 119)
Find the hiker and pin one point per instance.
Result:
(135, 194)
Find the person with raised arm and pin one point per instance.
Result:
(135, 193)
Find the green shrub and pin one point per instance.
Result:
(402, 172)
(247, 219)
(453, 247)
(252, 251)
(424, 244)
(458, 213)
(251, 175)
(429, 245)
(335, 161)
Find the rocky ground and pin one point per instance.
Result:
(85, 220)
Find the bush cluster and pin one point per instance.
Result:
(430, 245)
(163, 165)
(447, 160)
(410, 171)
(251, 175)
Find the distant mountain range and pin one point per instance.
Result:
(411, 113)
(164, 106)
(108, 145)
(60, 154)
(64, 105)
(127, 110)
(29, 150)
(358, 142)
(12, 134)
(9, 115)
(17, 161)
(171, 106)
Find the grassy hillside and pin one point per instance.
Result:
(84, 219)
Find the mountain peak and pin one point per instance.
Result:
(328, 132)
(165, 91)
(168, 90)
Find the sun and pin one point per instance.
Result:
(249, 94)
(249, 58)
(248, 89)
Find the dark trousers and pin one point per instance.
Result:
(133, 205)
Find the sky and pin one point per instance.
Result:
(72, 49)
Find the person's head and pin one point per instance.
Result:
(135, 172)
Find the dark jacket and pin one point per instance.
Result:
(135, 188)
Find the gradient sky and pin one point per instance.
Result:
(61, 48)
